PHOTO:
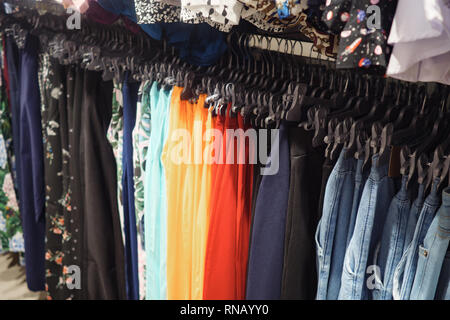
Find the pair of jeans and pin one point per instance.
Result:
(377, 195)
(130, 96)
(327, 168)
(414, 213)
(299, 279)
(360, 181)
(443, 288)
(392, 243)
(332, 230)
(432, 253)
(406, 268)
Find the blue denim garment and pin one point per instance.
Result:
(432, 253)
(414, 213)
(406, 269)
(392, 243)
(375, 200)
(332, 230)
(360, 181)
(443, 289)
(130, 96)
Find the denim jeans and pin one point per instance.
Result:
(416, 208)
(332, 230)
(406, 269)
(360, 180)
(443, 289)
(432, 253)
(392, 243)
(375, 200)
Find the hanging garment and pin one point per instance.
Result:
(211, 289)
(257, 178)
(155, 199)
(188, 199)
(265, 267)
(406, 268)
(30, 163)
(421, 38)
(332, 230)
(363, 39)
(229, 226)
(152, 11)
(327, 168)
(373, 207)
(174, 166)
(103, 257)
(360, 181)
(76, 245)
(413, 216)
(141, 140)
(11, 234)
(392, 243)
(432, 253)
(299, 279)
(201, 193)
(336, 14)
(130, 97)
(12, 58)
(246, 157)
(115, 138)
(62, 250)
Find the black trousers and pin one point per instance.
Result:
(103, 252)
(299, 279)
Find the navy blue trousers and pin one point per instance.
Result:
(130, 97)
(27, 140)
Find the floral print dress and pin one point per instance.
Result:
(11, 234)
